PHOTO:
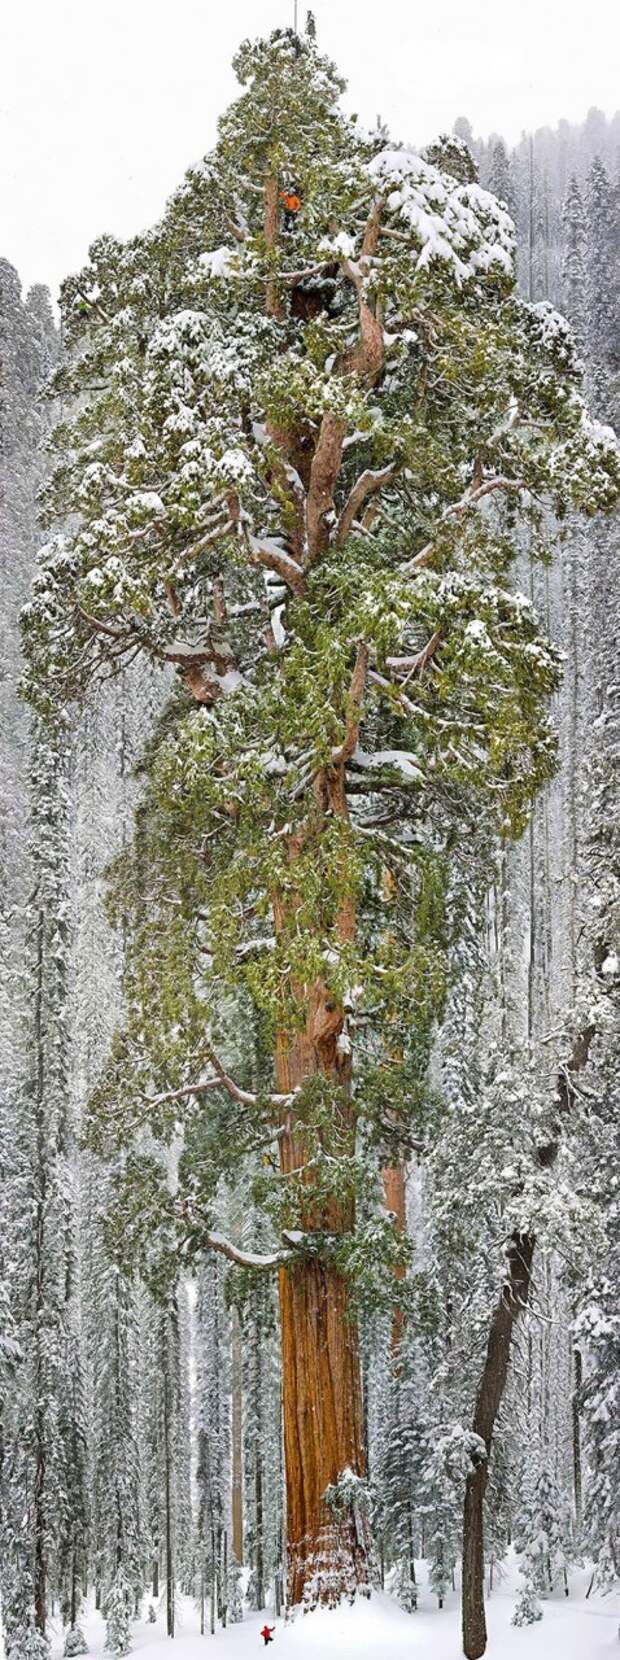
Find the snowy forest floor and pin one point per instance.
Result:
(572, 1628)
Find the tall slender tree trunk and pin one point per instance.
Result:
(237, 1440)
(39, 1520)
(513, 1299)
(395, 1194)
(576, 1409)
(259, 1522)
(170, 1586)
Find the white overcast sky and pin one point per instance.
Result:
(104, 103)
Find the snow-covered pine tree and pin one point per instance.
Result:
(574, 264)
(26, 355)
(603, 306)
(298, 511)
(167, 1450)
(118, 1520)
(539, 1537)
(183, 1446)
(397, 1468)
(262, 1438)
(119, 1601)
(598, 1324)
(213, 1427)
(46, 1466)
(599, 1328)
(499, 178)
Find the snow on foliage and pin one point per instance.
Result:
(459, 224)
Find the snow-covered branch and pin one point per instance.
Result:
(457, 508)
(414, 665)
(366, 485)
(267, 552)
(246, 1259)
(221, 1080)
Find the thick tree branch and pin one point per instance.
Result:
(98, 627)
(326, 464)
(245, 1097)
(246, 1259)
(367, 485)
(367, 357)
(358, 683)
(276, 559)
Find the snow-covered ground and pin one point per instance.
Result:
(573, 1628)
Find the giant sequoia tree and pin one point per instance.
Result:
(298, 451)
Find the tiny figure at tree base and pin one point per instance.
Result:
(267, 1634)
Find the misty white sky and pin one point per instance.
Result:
(103, 105)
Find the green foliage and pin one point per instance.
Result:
(212, 365)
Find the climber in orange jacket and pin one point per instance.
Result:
(291, 202)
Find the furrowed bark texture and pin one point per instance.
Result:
(512, 1301)
(328, 1556)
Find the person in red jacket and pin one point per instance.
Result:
(267, 1634)
(291, 202)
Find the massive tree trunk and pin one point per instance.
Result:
(328, 1554)
(512, 1301)
(329, 1551)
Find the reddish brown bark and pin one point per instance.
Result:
(321, 1378)
(328, 1556)
(271, 226)
(326, 464)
